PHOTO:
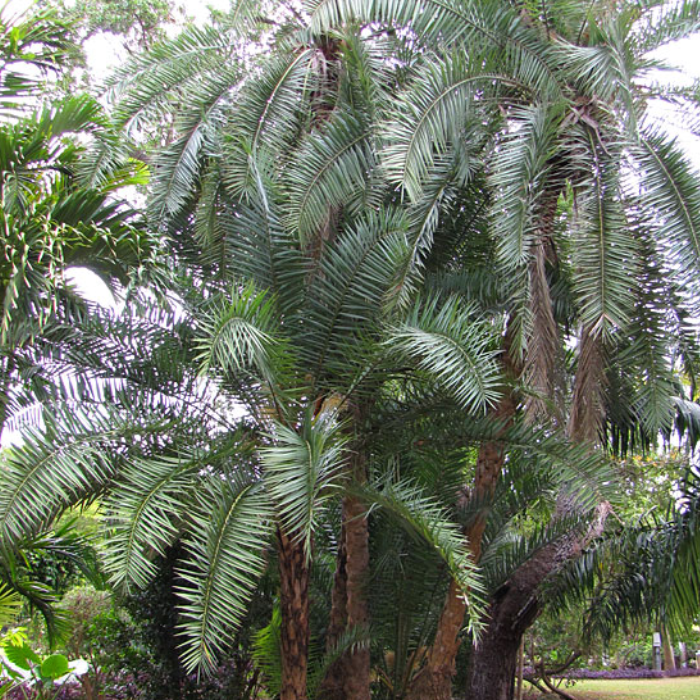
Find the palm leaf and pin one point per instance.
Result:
(51, 471)
(449, 342)
(229, 528)
(330, 170)
(145, 509)
(426, 520)
(672, 195)
(303, 470)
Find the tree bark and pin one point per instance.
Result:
(332, 686)
(294, 603)
(348, 678)
(434, 680)
(357, 668)
(514, 607)
(519, 671)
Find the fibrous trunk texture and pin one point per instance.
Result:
(348, 678)
(434, 680)
(357, 677)
(294, 603)
(332, 687)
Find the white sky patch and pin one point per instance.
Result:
(91, 287)
(683, 56)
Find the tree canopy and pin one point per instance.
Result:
(432, 269)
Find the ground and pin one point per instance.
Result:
(658, 689)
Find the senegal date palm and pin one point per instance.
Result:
(592, 207)
(267, 198)
(322, 203)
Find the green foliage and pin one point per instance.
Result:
(332, 214)
(139, 23)
(41, 672)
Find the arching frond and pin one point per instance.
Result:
(331, 169)
(303, 469)
(10, 605)
(483, 25)
(270, 107)
(239, 333)
(666, 23)
(426, 520)
(145, 509)
(265, 252)
(176, 170)
(671, 195)
(53, 470)
(430, 116)
(229, 529)
(451, 343)
(145, 87)
(345, 297)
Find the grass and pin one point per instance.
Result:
(647, 689)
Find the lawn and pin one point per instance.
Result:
(647, 689)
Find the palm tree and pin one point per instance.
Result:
(51, 219)
(585, 249)
(322, 208)
(290, 294)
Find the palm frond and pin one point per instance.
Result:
(176, 170)
(10, 604)
(145, 87)
(425, 519)
(345, 296)
(671, 194)
(230, 526)
(662, 24)
(239, 332)
(144, 509)
(331, 169)
(451, 343)
(520, 170)
(304, 468)
(430, 116)
(270, 107)
(265, 252)
(490, 26)
(53, 470)
(604, 249)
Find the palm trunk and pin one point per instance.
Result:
(519, 671)
(493, 661)
(348, 678)
(514, 607)
(332, 687)
(294, 602)
(434, 680)
(357, 677)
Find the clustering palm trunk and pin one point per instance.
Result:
(294, 604)
(349, 676)
(434, 680)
